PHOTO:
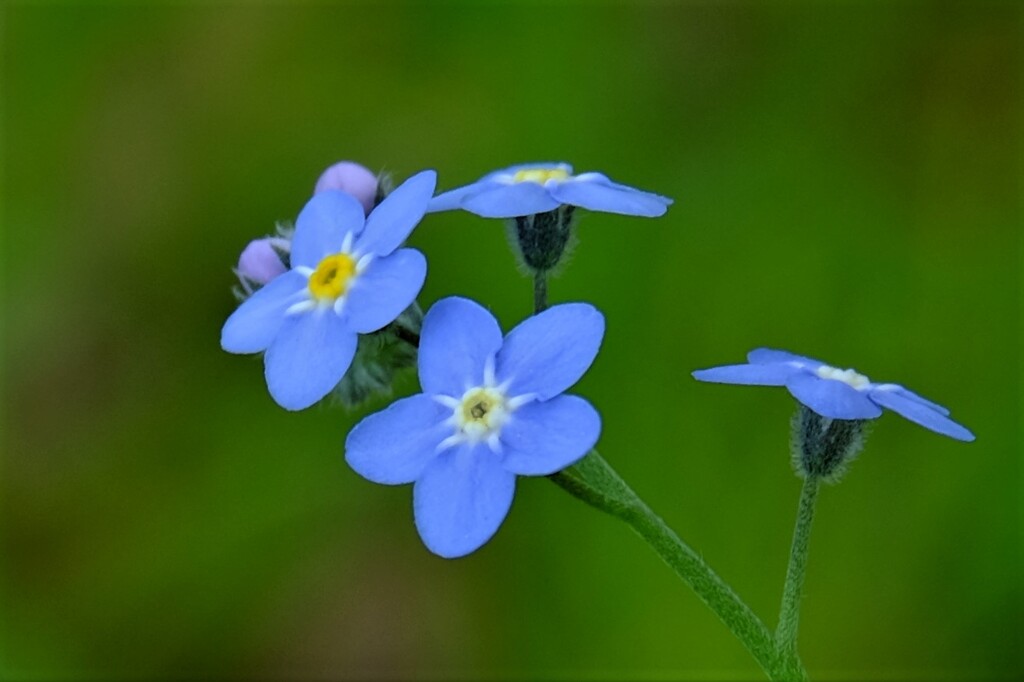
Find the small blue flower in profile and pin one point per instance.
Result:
(541, 187)
(347, 277)
(834, 393)
(491, 409)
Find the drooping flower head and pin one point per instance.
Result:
(491, 409)
(834, 393)
(542, 187)
(351, 178)
(347, 277)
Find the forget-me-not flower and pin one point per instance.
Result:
(832, 392)
(347, 277)
(534, 188)
(491, 409)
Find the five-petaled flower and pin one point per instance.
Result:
(347, 277)
(541, 187)
(832, 392)
(491, 409)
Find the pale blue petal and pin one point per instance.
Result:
(510, 201)
(394, 218)
(748, 375)
(600, 178)
(922, 414)
(906, 392)
(461, 499)
(458, 337)
(541, 438)
(395, 445)
(767, 356)
(596, 196)
(549, 352)
(453, 198)
(322, 225)
(831, 398)
(380, 293)
(308, 358)
(255, 323)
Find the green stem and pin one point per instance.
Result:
(595, 482)
(540, 291)
(789, 613)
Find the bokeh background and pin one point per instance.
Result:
(847, 180)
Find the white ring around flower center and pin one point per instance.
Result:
(319, 294)
(847, 376)
(480, 413)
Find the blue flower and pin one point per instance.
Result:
(541, 187)
(347, 277)
(834, 393)
(491, 409)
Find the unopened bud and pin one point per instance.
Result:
(261, 261)
(351, 178)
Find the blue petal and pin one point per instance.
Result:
(322, 225)
(544, 437)
(388, 286)
(767, 356)
(510, 201)
(549, 352)
(392, 221)
(596, 196)
(831, 398)
(907, 393)
(395, 445)
(602, 179)
(453, 198)
(461, 499)
(308, 358)
(458, 338)
(255, 323)
(748, 375)
(920, 413)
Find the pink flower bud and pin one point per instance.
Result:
(351, 178)
(259, 261)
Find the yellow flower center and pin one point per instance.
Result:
(540, 175)
(481, 412)
(847, 376)
(332, 275)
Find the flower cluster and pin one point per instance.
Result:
(332, 305)
(321, 300)
(348, 276)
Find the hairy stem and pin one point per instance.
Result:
(789, 613)
(596, 483)
(540, 291)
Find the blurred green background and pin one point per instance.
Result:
(847, 180)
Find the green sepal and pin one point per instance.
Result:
(379, 357)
